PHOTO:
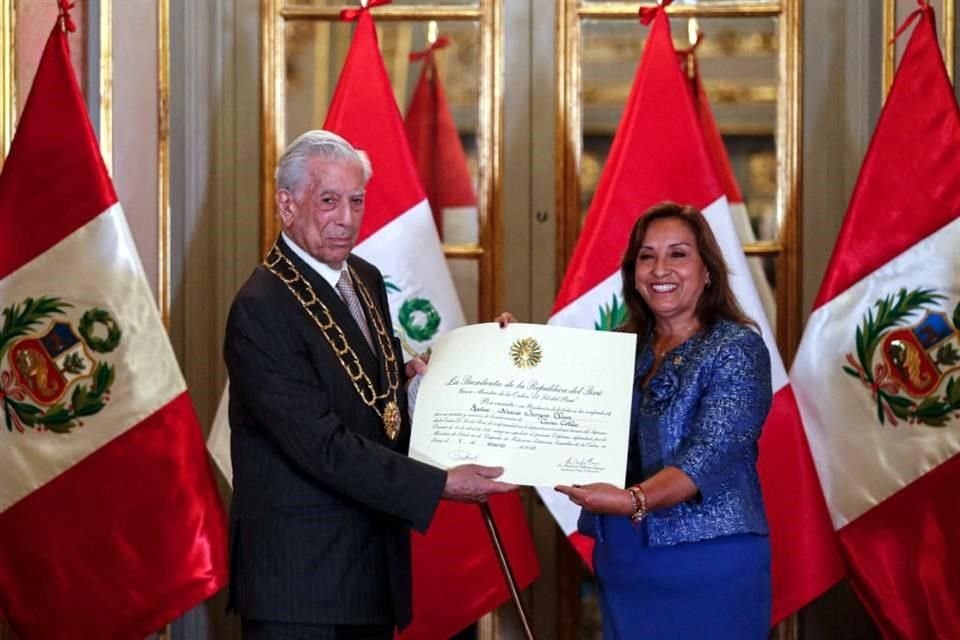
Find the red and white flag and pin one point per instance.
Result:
(438, 153)
(110, 520)
(724, 171)
(462, 577)
(660, 153)
(456, 575)
(877, 374)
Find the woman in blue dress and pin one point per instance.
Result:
(683, 551)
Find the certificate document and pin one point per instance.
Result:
(551, 405)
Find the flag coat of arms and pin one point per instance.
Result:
(877, 374)
(110, 521)
(660, 152)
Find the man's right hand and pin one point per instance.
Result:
(474, 483)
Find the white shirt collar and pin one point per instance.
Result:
(325, 271)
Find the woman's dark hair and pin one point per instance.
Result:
(717, 300)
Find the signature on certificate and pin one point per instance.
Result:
(463, 456)
(579, 463)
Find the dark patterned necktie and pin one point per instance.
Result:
(349, 295)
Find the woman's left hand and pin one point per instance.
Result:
(416, 366)
(504, 319)
(599, 497)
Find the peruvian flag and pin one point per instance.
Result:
(110, 521)
(724, 171)
(453, 563)
(660, 153)
(877, 374)
(456, 576)
(438, 153)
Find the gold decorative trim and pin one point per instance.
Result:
(272, 52)
(569, 141)
(949, 36)
(790, 180)
(385, 13)
(8, 103)
(736, 129)
(763, 248)
(611, 10)
(717, 93)
(163, 160)
(463, 251)
(106, 83)
(889, 49)
(490, 156)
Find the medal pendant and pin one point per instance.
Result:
(391, 420)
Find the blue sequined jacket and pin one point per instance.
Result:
(702, 412)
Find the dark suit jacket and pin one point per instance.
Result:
(323, 501)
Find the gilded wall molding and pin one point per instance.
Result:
(8, 98)
(163, 160)
(106, 82)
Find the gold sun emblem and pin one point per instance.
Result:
(526, 353)
(391, 420)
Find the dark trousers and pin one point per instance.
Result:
(263, 630)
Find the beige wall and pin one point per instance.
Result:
(135, 132)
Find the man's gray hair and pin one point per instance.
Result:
(292, 165)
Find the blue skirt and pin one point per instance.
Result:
(718, 588)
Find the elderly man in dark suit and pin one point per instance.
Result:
(324, 494)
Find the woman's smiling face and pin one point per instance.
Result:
(669, 273)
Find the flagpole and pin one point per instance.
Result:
(505, 567)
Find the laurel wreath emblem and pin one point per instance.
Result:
(526, 353)
(892, 311)
(612, 316)
(417, 320)
(87, 325)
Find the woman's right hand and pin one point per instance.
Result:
(599, 497)
(505, 318)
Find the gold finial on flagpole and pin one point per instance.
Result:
(693, 35)
(433, 32)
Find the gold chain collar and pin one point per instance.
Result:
(280, 266)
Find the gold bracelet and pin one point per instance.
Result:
(639, 498)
